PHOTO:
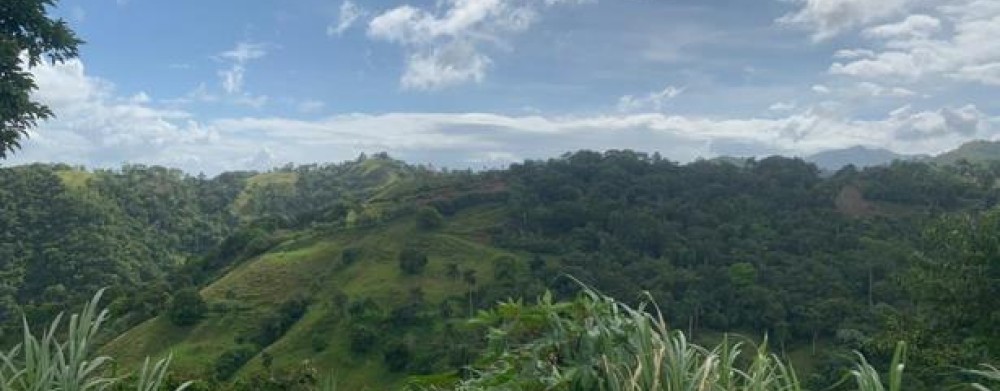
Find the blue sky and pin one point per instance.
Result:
(218, 85)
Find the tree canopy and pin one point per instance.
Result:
(27, 37)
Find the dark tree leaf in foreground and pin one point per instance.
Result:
(27, 36)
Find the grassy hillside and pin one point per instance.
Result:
(310, 265)
(980, 151)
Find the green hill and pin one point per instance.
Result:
(979, 151)
(370, 269)
(311, 265)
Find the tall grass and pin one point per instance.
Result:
(62, 359)
(988, 373)
(596, 343)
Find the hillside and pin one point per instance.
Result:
(725, 248)
(980, 151)
(370, 268)
(313, 266)
(859, 156)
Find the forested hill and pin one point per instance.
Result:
(67, 232)
(371, 267)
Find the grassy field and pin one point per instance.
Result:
(309, 265)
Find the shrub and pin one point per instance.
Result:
(350, 255)
(186, 307)
(363, 339)
(232, 360)
(428, 218)
(412, 261)
(397, 357)
(319, 342)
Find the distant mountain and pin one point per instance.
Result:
(859, 156)
(978, 151)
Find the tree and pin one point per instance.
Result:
(412, 261)
(428, 218)
(186, 308)
(26, 35)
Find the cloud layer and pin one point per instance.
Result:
(97, 127)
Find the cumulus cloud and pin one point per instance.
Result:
(652, 101)
(920, 48)
(966, 121)
(914, 26)
(876, 90)
(349, 14)
(828, 18)
(447, 46)
(95, 125)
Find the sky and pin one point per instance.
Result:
(210, 86)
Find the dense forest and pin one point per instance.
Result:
(373, 267)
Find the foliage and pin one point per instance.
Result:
(953, 285)
(186, 307)
(49, 362)
(428, 218)
(26, 35)
(232, 360)
(275, 326)
(412, 261)
(823, 265)
(597, 343)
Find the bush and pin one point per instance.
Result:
(363, 339)
(397, 357)
(428, 218)
(275, 326)
(186, 308)
(350, 255)
(412, 261)
(319, 342)
(232, 360)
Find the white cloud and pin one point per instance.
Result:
(876, 90)
(99, 127)
(140, 98)
(232, 76)
(451, 64)
(828, 18)
(446, 46)
(919, 48)
(966, 121)
(850, 54)
(94, 125)
(349, 14)
(820, 89)
(245, 51)
(652, 101)
(914, 26)
(782, 106)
